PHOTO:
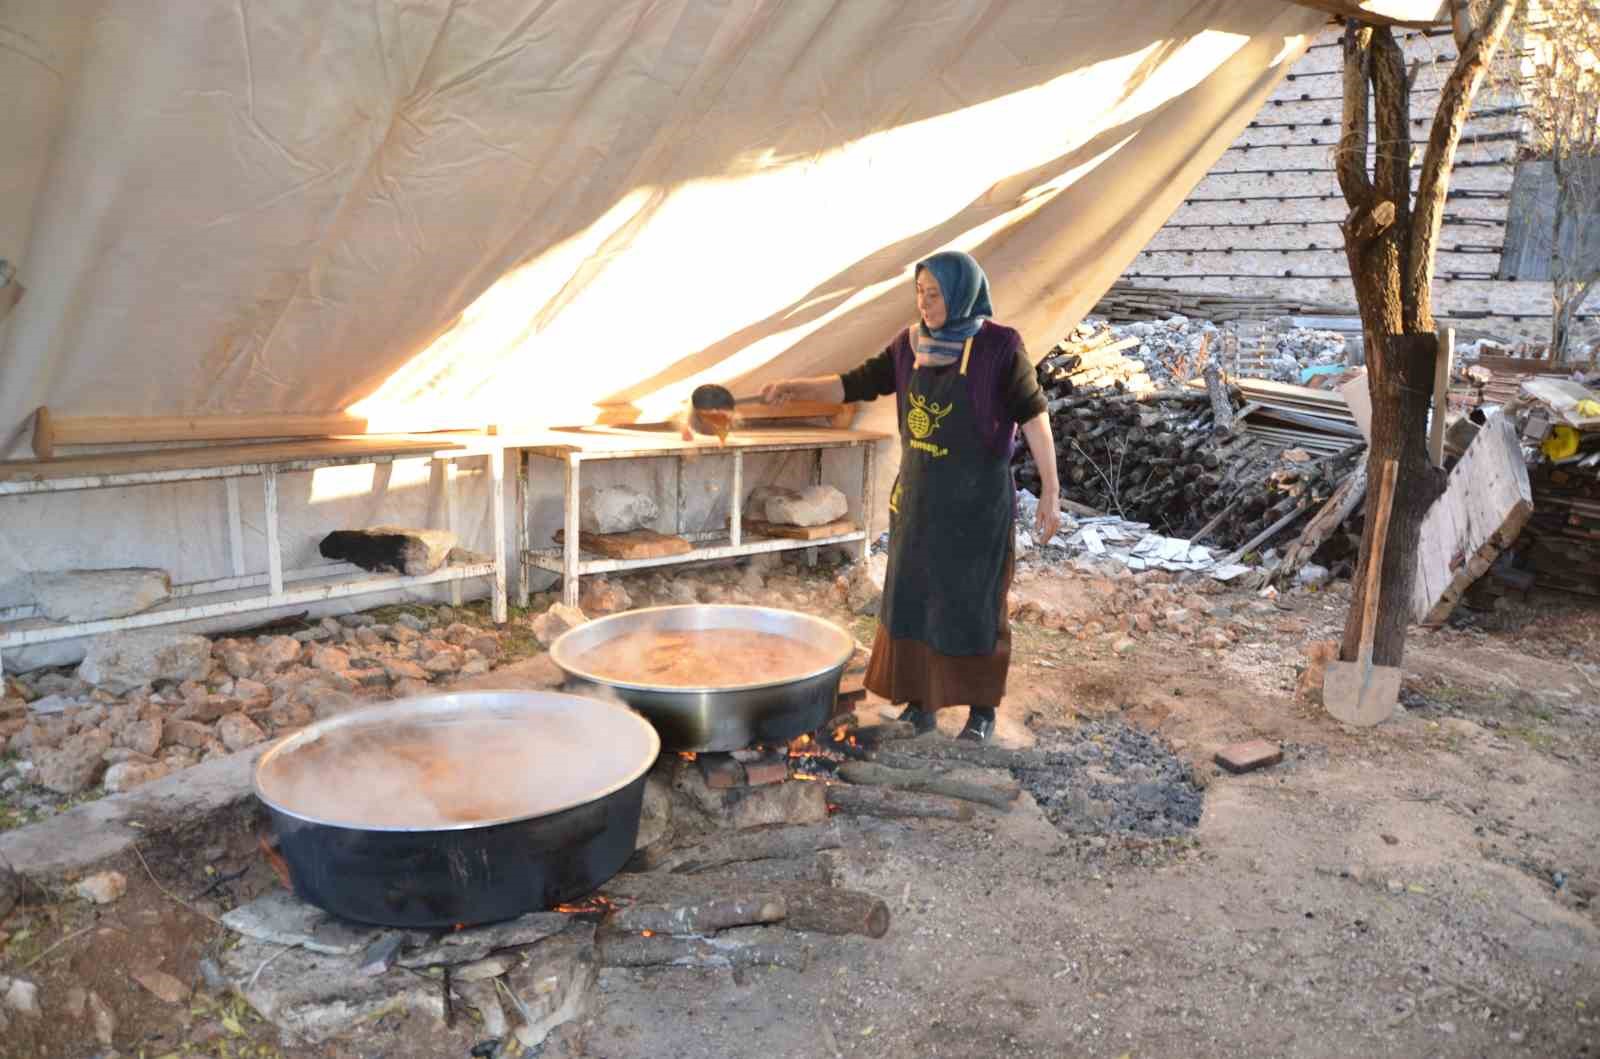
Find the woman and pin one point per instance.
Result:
(963, 384)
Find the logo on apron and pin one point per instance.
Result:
(923, 420)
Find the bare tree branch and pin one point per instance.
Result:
(1455, 102)
(1351, 160)
(1461, 22)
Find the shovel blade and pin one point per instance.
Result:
(1362, 695)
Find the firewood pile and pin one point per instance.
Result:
(1162, 457)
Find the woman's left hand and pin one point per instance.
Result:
(1048, 519)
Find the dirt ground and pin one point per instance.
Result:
(1423, 889)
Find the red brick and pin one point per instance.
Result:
(770, 770)
(720, 771)
(1247, 757)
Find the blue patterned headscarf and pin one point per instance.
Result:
(966, 300)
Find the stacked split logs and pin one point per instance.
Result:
(1163, 457)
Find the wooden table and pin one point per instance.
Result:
(571, 448)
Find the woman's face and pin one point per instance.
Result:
(930, 301)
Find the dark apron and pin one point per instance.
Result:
(950, 520)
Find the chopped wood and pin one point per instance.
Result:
(876, 775)
(700, 914)
(1338, 507)
(827, 910)
(755, 843)
(894, 804)
(1221, 409)
(744, 947)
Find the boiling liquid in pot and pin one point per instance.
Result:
(474, 770)
(702, 658)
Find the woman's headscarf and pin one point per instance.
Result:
(965, 289)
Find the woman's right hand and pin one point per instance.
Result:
(781, 392)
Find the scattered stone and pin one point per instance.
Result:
(402, 633)
(207, 709)
(1249, 756)
(330, 660)
(459, 634)
(444, 663)
(92, 595)
(121, 661)
(286, 713)
(400, 669)
(276, 653)
(126, 775)
(280, 918)
(102, 888)
(191, 734)
(162, 985)
(75, 765)
(367, 636)
(238, 731)
(105, 1022)
(601, 597)
(486, 644)
(682, 593)
(1125, 646)
(51, 704)
(328, 702)
(252, 695)
(815, 505)
(237, 663)
(465, 946)
(10, 888)
(410, 689)
(407, 620)
(614, 509)
(22, 996)
(549, 626)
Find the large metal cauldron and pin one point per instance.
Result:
(719, 718)
(458, 809)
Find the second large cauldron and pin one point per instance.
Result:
(728, 717)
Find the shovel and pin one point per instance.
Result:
(1359, 692)
(711, 409)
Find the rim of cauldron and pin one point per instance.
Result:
(462, 703)
(560, 648)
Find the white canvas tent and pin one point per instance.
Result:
(512, 211)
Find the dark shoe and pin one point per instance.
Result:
(980, 725)
(922, 721)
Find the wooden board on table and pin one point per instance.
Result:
(163, 460)
(639, 544)
(1483, 508)
(758, 528)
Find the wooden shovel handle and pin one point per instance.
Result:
(1378, 526)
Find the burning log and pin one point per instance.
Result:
(700, 914)
(893, 804)
(744, 947)
(775, 841)
(875, 775)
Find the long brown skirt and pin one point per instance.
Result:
(903, 670)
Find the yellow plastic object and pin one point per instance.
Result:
(1589, 408)
(1562, 442)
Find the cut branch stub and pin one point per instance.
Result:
(1365, 224)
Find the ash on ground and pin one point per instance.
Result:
(1113, 779)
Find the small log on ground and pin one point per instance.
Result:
(1340, 506)
(700, 914)
(741, 947)
(893, 804)
(827, 910)
(875, 775)
(756, 843)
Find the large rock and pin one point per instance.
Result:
(394, 549)
(126, 775)
(118, 662)
(91, 595)
(815, 505)
(547, 627)
(755, 505)
(75, 765)
(601, 597)
(238, 731)
(614, 509)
